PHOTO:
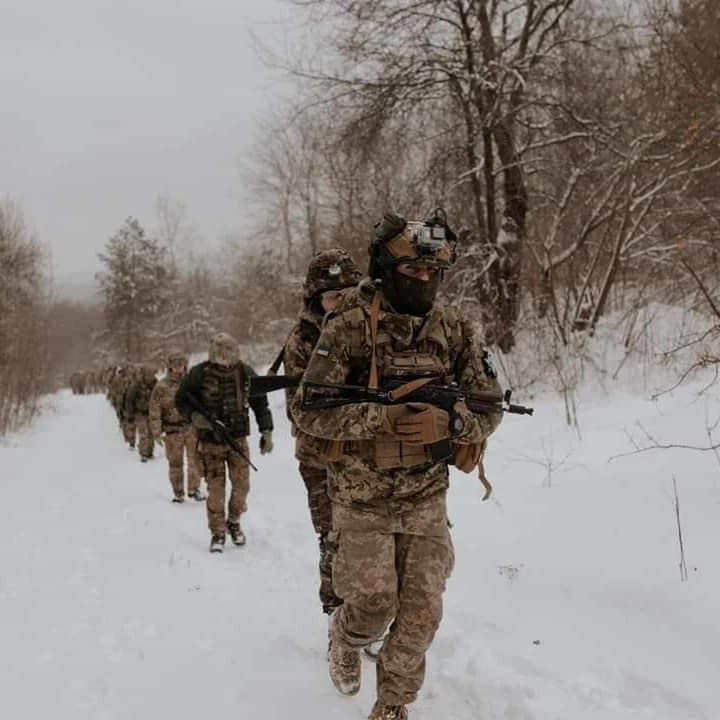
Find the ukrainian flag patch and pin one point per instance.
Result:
(323, 350)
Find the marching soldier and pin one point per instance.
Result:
(217, 390)
(388, 464)
(137, 407)
(174, 431)
(329, 275)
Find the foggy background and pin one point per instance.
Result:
(106, 105)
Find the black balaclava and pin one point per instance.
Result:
(408, 295)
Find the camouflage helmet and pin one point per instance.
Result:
(332, 269)
(176, 358)
(224, 350)
(428, 243)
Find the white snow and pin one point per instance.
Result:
(565, 604)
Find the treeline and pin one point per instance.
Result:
(574, 142)
(23, 302)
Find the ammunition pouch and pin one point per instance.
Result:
(467, 457)
(391, 453)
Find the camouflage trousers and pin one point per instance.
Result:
(145, 438)
(392, 579)
(215, 458)
(178, 443)
(315, 479)
(128, 430)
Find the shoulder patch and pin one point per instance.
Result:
(323, 349)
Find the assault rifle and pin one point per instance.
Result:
(326, 395)
(218, 427)
(318, 396)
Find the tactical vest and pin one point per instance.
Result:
(224, 396)
(405, 348)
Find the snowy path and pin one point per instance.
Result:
(565, 603)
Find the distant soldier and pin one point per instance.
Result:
(219, 388)
(329, 275)
(117, 392)
(175, 432)
(76, 382)
(137, 406)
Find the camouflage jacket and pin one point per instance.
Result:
(402, 499)
(298, 350)
(164, 415)
(137, 397)
(116, 391)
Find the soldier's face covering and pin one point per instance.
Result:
(411, 290)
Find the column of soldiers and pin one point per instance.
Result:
(376, 474)
(87, 382)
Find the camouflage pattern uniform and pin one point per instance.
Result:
(177, 433)
(389, 497)
(117, 392)
(329, 270)
(220, 386)
(137, 407)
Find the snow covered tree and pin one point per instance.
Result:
(23, 357)
(135, 286)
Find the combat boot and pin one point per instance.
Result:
(217, 543)
(179, 498)
(236, 533)
(388, 712)
(344, 663)
(198, 495)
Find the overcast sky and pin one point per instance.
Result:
(106, 104)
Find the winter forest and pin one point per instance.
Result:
(575, 147)
(573, 144)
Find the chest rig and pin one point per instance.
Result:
(402, 348)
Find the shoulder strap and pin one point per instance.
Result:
(374, 315)
(278, 361)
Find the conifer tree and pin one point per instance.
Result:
(135, 286)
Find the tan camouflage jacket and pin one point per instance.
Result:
(402, 499)
(164, 415)
(298, 350)
(116, 391)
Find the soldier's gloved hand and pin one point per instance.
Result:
(424, 425)
(266, 442)
(200, 422)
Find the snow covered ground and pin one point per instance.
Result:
(565, 604)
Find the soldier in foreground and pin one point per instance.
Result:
(330, 273)
(174, 431)
(217, 390)
(137, 407)
(388, 463)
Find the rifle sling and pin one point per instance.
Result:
(374, 315)
(277, 362)
(409, 387)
